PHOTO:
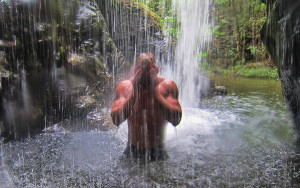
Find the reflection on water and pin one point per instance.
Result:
(243, 139)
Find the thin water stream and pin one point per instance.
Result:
(244, 139)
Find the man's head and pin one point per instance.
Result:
(146, 64)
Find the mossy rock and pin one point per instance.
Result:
(154, 19)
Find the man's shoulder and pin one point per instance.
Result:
(161, 79)
(126, 84)
(166, 82)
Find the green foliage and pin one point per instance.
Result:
(168, 16)
(171, 27)
(218, 2)
(204, 66)
(216, 32)
(242, 70)
(259, 72)
(204, 54)
(261, 6)
(254, 50)
(236, 34)
(237, 31)
(160, 7)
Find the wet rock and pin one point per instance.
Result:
(129, 22)
(70, 56)
(220, 90)
(4, 71)
(281, 35)
(37, 40)
(206, 85)
(11, 43)
(85, 102)
(55, 128)
(209, 89)
(100, 120)
(97, 120)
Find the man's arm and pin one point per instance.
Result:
(167, 94)
(123, 103)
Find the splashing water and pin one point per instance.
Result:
(232, 147)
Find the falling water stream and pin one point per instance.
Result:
(194, 37)
(243, 139)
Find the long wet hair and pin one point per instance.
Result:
(144, 60)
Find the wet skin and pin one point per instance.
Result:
(147, 101)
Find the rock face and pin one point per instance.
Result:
(281, 35)
(58, 58)
(134, 28)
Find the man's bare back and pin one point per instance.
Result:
(147, 101)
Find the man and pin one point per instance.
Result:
(147, 101)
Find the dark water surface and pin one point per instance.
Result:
(244, 139)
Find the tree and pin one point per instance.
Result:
(237, 31)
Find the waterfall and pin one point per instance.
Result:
(24, 91)
(193, 39)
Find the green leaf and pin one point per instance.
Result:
(203, 54)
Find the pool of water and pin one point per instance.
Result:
(244, 139)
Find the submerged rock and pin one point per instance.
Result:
(220, 90)
(100, 121)
(58, 127)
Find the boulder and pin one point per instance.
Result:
(220, 90)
